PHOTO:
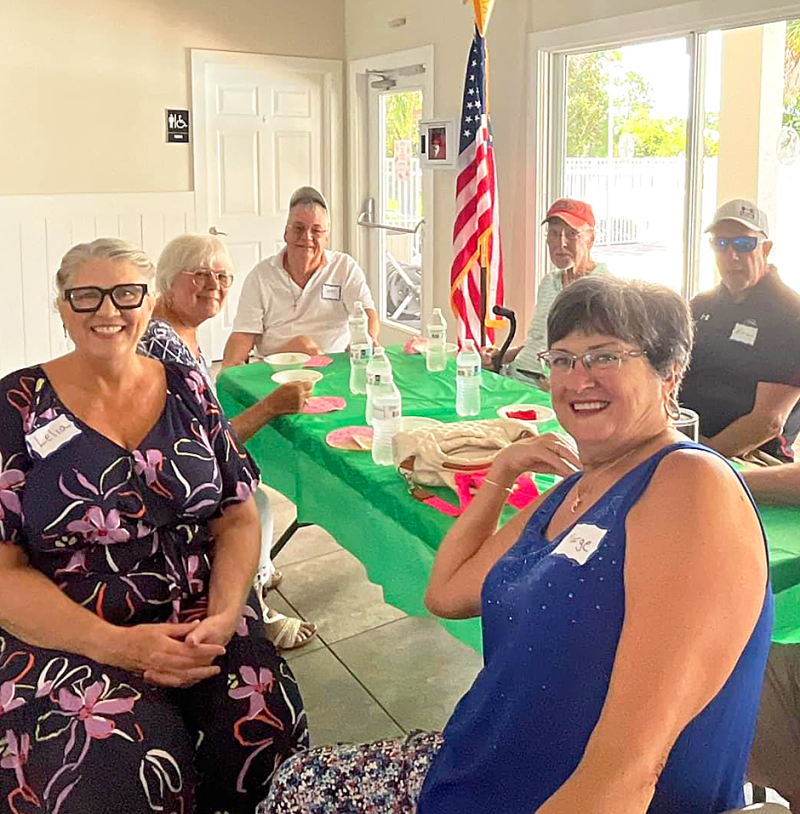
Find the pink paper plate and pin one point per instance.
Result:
(319, 361)
(344, 438)
(324, 404)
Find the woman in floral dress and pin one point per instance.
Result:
(134, 672)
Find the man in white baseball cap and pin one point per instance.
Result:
(744, 377)
(300, 298)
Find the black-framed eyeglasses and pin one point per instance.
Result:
(561, 362)
(201, 277)
(86, 299)
(741, 245)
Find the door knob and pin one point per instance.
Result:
(214, 231)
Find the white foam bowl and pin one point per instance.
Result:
(543, 414)
(299, 375)
(287, 361)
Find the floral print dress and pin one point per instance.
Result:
(125, 535)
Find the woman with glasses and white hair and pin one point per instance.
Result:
(135, 674)
(626, 613)
(193, 277)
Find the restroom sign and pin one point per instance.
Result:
(178, 126)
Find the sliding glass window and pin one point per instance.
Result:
(655, 135)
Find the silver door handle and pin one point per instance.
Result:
(214, 231)
(368, 212)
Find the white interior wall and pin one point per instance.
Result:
(84, 84)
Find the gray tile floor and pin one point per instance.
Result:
(372, 671)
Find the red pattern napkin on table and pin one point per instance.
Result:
(522, 415)
(324, 404)
(318, 361)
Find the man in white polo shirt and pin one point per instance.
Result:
(300, 298)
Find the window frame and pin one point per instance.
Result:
(546, 105)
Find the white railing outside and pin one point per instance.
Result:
(402, 199)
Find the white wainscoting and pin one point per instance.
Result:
(36, 231)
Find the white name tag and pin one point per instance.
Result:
(746, 334)
(331, 292)
(580, 543)
(52, 436)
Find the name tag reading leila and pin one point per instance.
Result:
(51, 436)
(746, 334)
(331, 292)
(580, 543)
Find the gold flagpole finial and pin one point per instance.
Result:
(483, 11)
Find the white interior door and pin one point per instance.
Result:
(392, 94)
(263, 127)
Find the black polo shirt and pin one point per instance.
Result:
(739, 344)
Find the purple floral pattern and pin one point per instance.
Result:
(126, 535)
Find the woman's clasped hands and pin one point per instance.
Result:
(172, 654)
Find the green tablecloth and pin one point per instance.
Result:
(367, 509)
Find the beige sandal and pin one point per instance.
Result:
(285, 631)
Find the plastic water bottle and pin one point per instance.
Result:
(379, 370)
(360, 349)
(387, 411)
(437, 339)
(468, 380)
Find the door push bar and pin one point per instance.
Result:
(368, 213)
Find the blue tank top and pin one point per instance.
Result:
(550, 629)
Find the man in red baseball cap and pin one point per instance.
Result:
(570, 235)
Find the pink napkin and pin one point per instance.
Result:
(344, 438)
(319, 361)
(324, 404)
(415, 345)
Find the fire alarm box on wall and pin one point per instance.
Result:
(438, 145)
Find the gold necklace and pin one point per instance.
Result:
(579, 497)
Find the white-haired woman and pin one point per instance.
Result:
(135, 674)
(193, 277)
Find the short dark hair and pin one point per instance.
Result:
(651, 316)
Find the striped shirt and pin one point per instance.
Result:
(549, 288)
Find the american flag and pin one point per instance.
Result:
(476, 233)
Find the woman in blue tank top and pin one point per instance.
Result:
(626, 614)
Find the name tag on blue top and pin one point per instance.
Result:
(51, 436)
(581, 543)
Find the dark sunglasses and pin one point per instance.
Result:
(741, 245)
(87, 299)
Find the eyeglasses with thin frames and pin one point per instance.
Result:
(561, 362)
(87, 299)
(555, 234)
(201, 277)
(299, 229)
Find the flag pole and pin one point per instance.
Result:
(484, 292)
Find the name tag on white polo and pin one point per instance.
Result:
(746, 334)
(331, 292)
(52, 436)
(581, 543)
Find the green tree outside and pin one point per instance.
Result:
(588, 80)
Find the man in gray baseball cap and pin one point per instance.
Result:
(300, 298)
(744, 377)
